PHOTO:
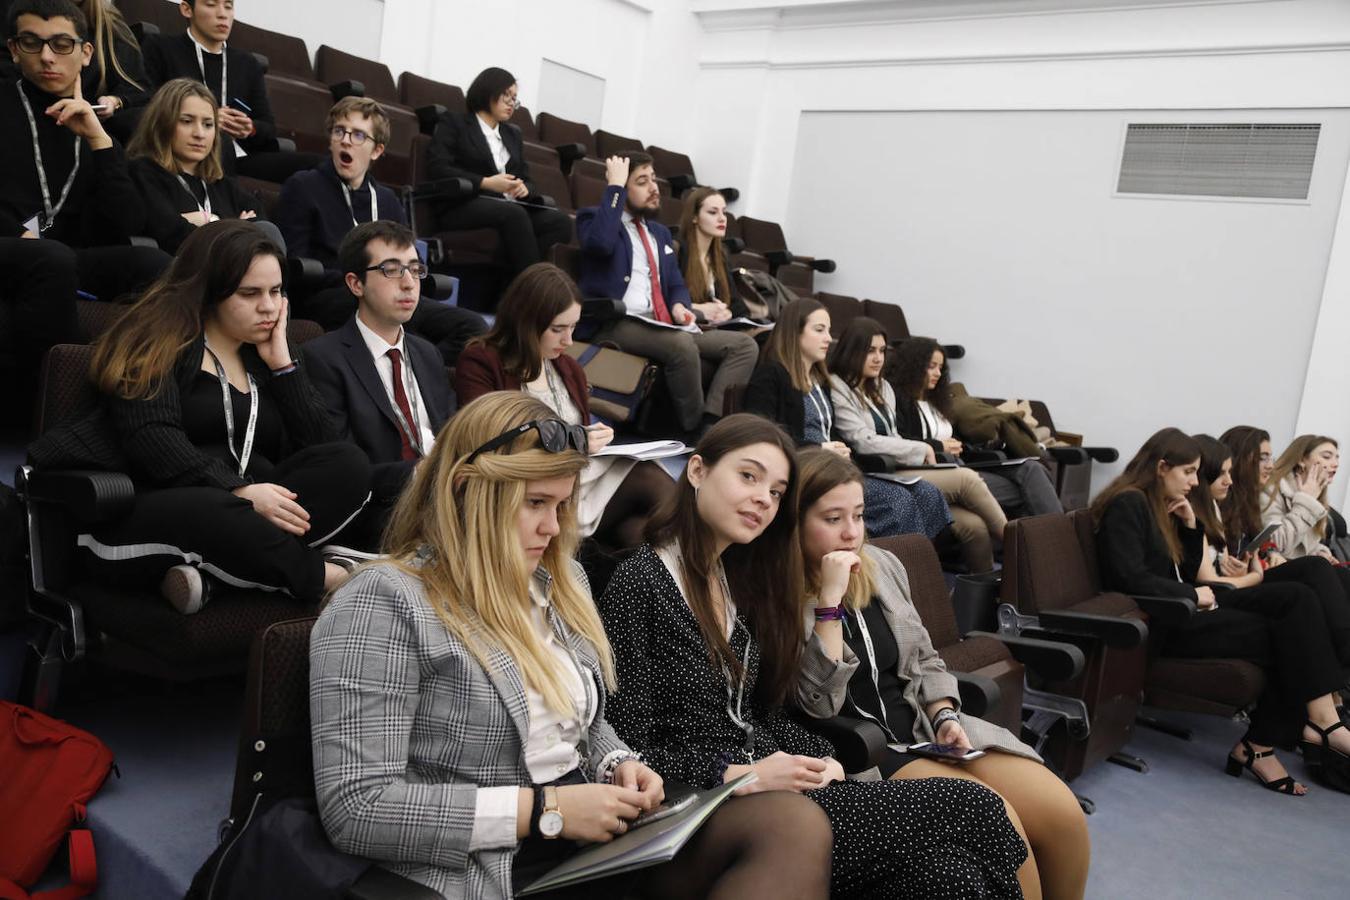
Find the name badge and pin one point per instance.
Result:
(34, 225)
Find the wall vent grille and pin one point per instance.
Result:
(1219, 160)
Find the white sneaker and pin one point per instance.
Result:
(185, 589)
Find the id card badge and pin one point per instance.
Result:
(34, 225)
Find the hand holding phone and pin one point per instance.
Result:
(945, 752)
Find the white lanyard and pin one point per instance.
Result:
(49, 212)
(738, 695)
(884, 721)
(201, 65)
(584, 675)
(241, 457)
(822, 405)
(206, 193)
(411, 429)
(374, 208)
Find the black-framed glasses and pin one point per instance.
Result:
(61, 44)
(555, 436)
(358, 136)
(392, 268)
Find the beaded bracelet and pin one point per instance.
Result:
(945, 715)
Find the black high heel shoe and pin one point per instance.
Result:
(1327, 764)
(1285, 785)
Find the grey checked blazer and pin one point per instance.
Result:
(822, 681)
(407, 725)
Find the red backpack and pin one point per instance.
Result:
(51, 769)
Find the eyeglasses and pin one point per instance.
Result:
(555, 436)
(391, 268)
(61, 44)
(1265, 457)
(358, 136)
(509, 99)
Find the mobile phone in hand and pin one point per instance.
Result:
(945, 752)
(664, 811)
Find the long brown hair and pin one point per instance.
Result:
(1291, 459)
(784, 344)
(154, 135)
(911, 373)
(765, 575)
(849, 354)
(820, 472)
(1170, 445)
(1241, 509)
(133, 358)
(532, 301)
(1213, 454)
(106, 28)
(694, 278)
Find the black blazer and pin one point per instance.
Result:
(459, 150)
(173, 56)
(344, 374)
(1132, 554)
(909, 422)
(772, 395)
(166, 200)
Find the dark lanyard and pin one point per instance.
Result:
(374, 207)
(241, 457)
(737, 696)
(49, 212)
(206, 192)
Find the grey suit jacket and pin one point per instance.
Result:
(407, 726)
(822, 681)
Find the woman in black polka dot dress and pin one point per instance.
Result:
(700, 690)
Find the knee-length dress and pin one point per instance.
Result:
(935, 838)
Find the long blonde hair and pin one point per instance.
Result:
(475, 576)
(153, 139)
(1291, 459)
(821, 471)
(107, 27)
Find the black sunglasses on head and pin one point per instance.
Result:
(555, 436)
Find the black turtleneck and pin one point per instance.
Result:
(313, 215)
(103, 207)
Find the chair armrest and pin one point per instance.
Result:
(305, 272)
(823, 265)
(440, 286)
(445, 189)
(858, 744)
(428, 116)
(944, 458)
(1169, 611)
(546, 201)
(1103, 454)
(1113, 631)
(1069, 456)
(349, 88)
(777, 258)
(89, 496)
(979, 693)
(1053, 660)
(733, 245)
(871, 462)
(285, 145)
(571, 152)
(381, 884)
(969, 455)
(730, 194)
(262, 61)
(953, 351)
(681, 183)
(602, 309)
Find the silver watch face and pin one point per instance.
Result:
(550, 823)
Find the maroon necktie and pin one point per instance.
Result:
(401, 398)
(659, 309)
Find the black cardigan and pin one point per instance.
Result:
(166, 200)
(909, 421)
(145, 437)
(671, 704)
(772, 395)
(1132, 554)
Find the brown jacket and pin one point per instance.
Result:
(479, 371)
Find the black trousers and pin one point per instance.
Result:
(1331, 584)
(222, 534)
(527, 232)
(1281, 628)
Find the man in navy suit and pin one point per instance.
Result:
(629, 255)
(385, 388)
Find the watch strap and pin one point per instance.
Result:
(537, 810)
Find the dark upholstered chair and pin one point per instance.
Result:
(679, 169)
(1070, 466)
(557, 131)
(275, 760)
(333, 66)
(286, 54)
(608, 144)
(843, 309)
(767, 238)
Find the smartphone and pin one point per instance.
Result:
(244, 107)
(945, 752)
(664, 811)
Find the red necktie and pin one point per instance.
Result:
(401, 398)
(659, 309)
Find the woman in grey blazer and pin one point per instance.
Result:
(868, 655)
(457, 692)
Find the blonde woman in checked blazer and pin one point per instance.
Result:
(457, 692)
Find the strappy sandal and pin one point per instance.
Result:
(1285, 785)
(1327, 764)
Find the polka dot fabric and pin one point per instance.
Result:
(936, 838)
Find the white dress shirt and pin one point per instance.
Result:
(500, 155)
(936, 425)
(379, 350)
(638, 297)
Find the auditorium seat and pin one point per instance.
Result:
(268, 195)
(679, 169)
(551, 182)
(414, 91)
(843, 309)
(522, 119)
(333, 66)
(165, 16)
(286, 54)
(608, 144)
(301, 112)
(1071, 464)
(555, 130)
(586, 191)
(767, 238)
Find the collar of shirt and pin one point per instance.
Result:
(377, 345)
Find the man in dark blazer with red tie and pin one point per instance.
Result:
(385, 388)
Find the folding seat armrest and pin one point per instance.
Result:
(871, 462)
(1053, 660)
(348, 88)
(823, 265)
(777, 258)
(571, 152)
(602, 309)
(858, 743)
(143, 240)
(381, 884)
(440, 286)
(681, 183)
(1103, 454)
(730, 194)
(263, 61)
(953, 351)
(1068, 456)
(982, 456)
(428, 116)
(1114, 631)
(546, 200)
(1168, 611)
(305, 272)
(285, 145)
(944, 458)
(89, 496)
(733, 244)
(979, 693)
(445, 189)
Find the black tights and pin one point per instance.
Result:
(627, 512)
(1331, 584)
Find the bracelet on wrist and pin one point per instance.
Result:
(831, 613)
(945, 715)
(286, 369)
